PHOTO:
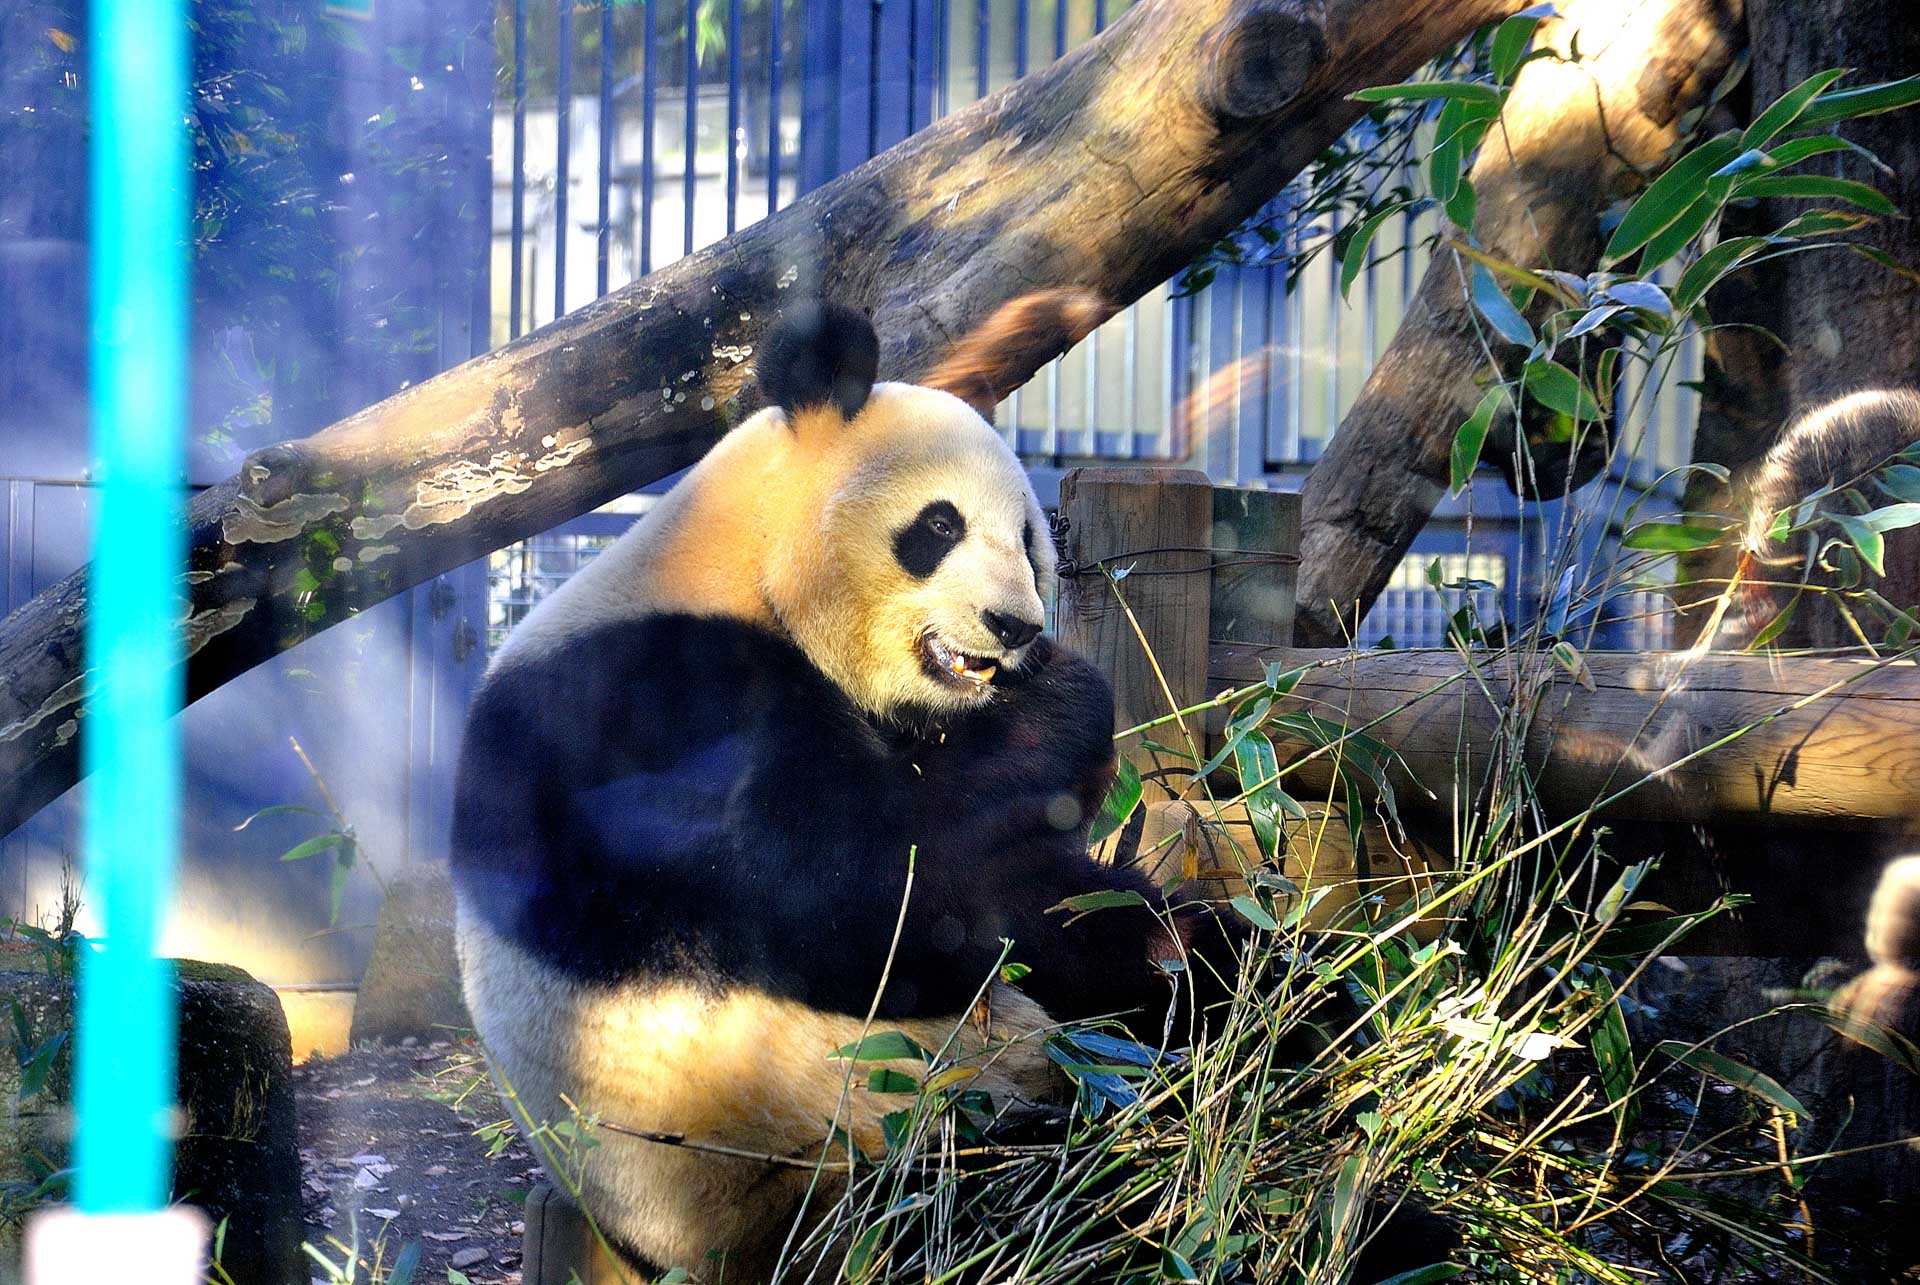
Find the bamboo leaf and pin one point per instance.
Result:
(1865, 100)
(1417, 91)
(882, 1046)
(1893, 517)
(279, 809)
(1775, 627)
(1729, 1071)
(1108, 900)
(1671, 195)
(1460, 207)
(1641, 294)
(1119, 804)
(1594, 319)
(1795, 150)
(1676, 236)
(1822, 223)
(1613, 1052)
(1557, 388)
(317, 844)
(1865, 539)
(1499, 311)
(1819, 188)
(1354, 258)
(1670, 537)
(1511, 39)
(1426, 1275)
(1472, 436)
(884, 1079)
(1443, 163)
(1254, 913)
(1885, 260)
(1901, 481)
(1258, 765)
(1707, 271)
(1788, 108)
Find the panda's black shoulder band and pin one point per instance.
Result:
(819, 354)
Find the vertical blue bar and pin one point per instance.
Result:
(563, 139)
(943, 36)
(1021, 14)
(693, 112)
(131, 749)
(733, 111)
(873, 81)
(983, 46)
(519, 167)
(773, 106)
(650, 51)
(1059, 27)
(604, 226)
(913, 62)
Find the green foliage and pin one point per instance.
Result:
(338, 839)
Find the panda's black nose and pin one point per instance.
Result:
(1010, 630)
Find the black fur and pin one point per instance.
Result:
(819, 354)
(679, 796)
(923, 544)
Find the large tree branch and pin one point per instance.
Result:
(1573, 136)
(1106, 171)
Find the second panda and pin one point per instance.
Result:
(697, 776)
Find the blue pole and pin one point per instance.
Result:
(130, 747)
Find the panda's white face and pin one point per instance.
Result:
(923, 563)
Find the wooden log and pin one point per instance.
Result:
(1152, 529)
(1574, 134)
(1837, 741)
(1105, 171)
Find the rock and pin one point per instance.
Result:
(236, 1158)
(412, 984)
(465, 1258)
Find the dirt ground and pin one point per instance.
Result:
(385, 1152)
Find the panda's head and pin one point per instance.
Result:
(908, 550)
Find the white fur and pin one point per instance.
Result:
(743, 1070)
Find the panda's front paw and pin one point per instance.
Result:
(1060, 689)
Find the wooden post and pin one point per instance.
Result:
(1152, 529)
(559, 1248)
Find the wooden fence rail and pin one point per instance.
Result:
(1205, 581)
(1663, 736)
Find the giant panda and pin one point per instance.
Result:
(697, 777)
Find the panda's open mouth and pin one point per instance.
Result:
(953, 665)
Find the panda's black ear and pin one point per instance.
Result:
(819, 354)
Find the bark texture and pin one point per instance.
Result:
(1837, 743)
(1105, 171)
(1573, 137)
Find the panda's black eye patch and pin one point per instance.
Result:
(923, 543)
